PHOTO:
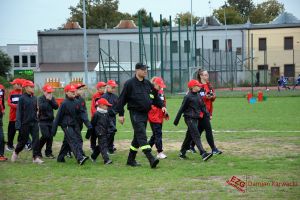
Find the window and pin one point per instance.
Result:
(262, 44)
(174, 47)
(32, 59)
(215, 45)
(186, 46)
(262, 67)
(288, 43)
(16, 61)
(238, 51)
(24, 61)
(229, 45)
(198, 52)
(289, 70)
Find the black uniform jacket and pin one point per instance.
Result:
(70, 113)
(191, 107)
(100, 123)
(46, 107)
(139, 96)
(26, 111)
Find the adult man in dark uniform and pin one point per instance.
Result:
(139, 94)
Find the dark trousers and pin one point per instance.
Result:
(101, 148)
(204, 124)
(156, 137)
(111, 134)
(72, 140)
(47, 138)
(192, 134)
(11, 132)
(26, 130)
(93, 141)
(139, 124)
(1, 136)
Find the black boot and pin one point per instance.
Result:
(131, 159)
(152, 160)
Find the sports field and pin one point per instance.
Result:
(261, 145)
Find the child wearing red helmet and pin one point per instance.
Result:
(100, 91)
(101, 122)
(27, 122)
(191, 108)
(112, 98)
(156, 117)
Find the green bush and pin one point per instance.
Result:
(4, 82)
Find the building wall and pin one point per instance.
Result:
(275, 54)
(66, 48)
(21, 50)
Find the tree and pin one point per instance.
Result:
(185, 18)
(237, 11)
(5, 64)
(232, 16)
(145, 18)
(99, 13)
(266, 11)
(244, 8)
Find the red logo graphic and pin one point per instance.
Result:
(237, 183)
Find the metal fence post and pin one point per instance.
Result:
(161, 49)
(151, 45)
(179, 46)
(171, 57)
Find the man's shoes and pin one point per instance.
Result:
(14, 157)
(37, 160)
(133, 164)
(3, 158)
(161, 155)
(50, 156)
(182, 156)
(111, 152)
(108, 162)
(216, 151)
(82, 161)
(10, 148)
(206, 156)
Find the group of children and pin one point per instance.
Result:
(32, 113)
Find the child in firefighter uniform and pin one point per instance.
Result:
(12, 101)
(101, 122)
(156, 117)
(112, 98)
(27, 122)
(100, 91)
(68, 117)
(46, 104)
(191, 108)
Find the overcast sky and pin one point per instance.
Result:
(20, 19)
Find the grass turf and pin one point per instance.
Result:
(269, 154)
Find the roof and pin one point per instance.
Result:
(126, 24)
(66, 67)
(248, 25)
(209, 21)
(285, 18)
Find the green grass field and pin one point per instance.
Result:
(261, 144)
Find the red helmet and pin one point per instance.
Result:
(160, 82)
(79, 85)
(192, 83)
(48, 88)
(100, 84)
(103, 101)
(26, 83)
(70, 88)
(112, 83)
